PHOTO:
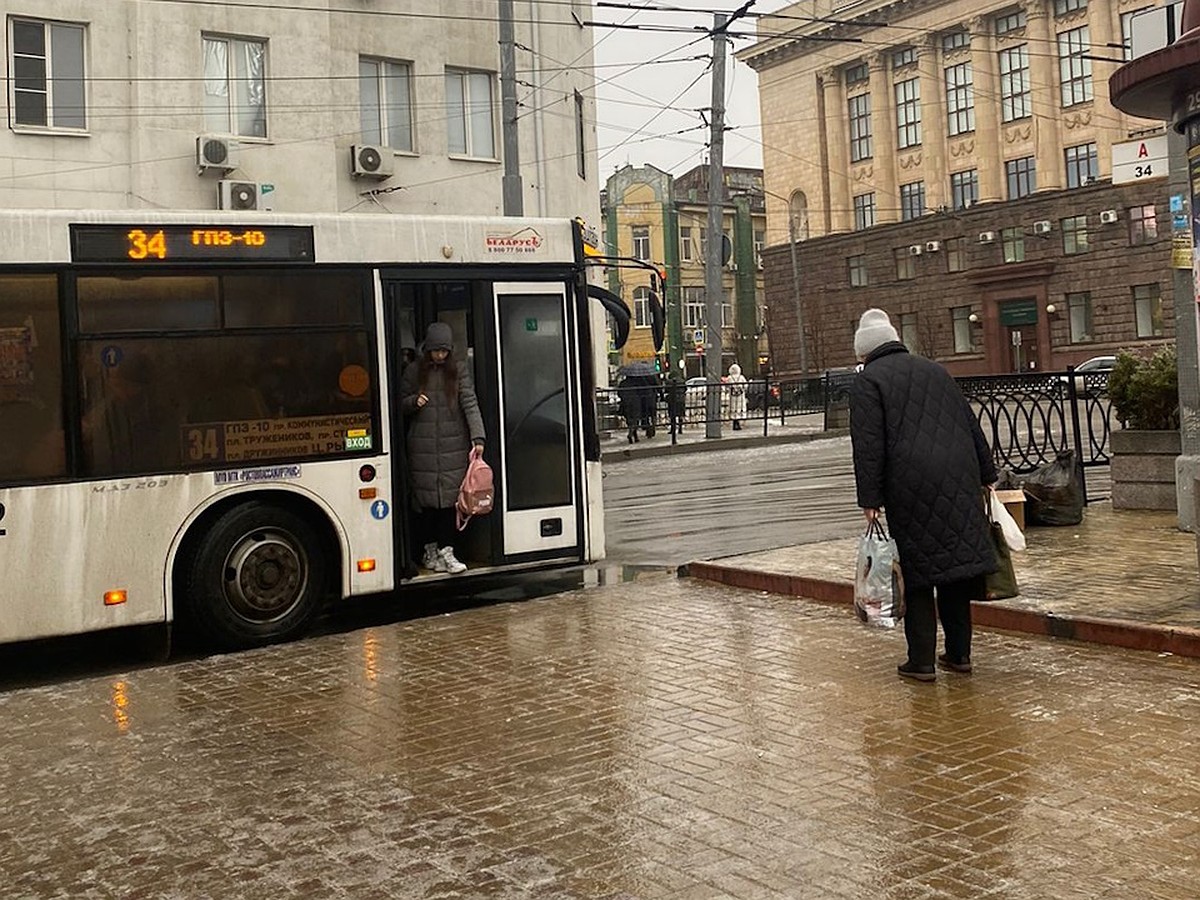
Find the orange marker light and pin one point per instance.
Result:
(366, 565)
(115, 598)
(367, 493)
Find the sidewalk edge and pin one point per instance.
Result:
(1132, 635)
(616, 454)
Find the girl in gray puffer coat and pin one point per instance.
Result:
(439, 404)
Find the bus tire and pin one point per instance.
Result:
(256, 576)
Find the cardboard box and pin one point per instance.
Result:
(1014, 502)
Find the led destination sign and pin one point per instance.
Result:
(191, 243)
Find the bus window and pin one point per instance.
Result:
(265, 300)
(202, 401)
(30, 379)
(160, 303)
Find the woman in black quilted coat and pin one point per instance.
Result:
(443, 421)
(920, 455)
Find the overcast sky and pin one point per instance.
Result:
(640, 108)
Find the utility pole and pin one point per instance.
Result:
(796, 293)
(514, 201)
(716, 212)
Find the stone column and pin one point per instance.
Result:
(1102, 31)
(933, 125)
(883, 140)
(836, 136)
(986, 78)
(1047, 97)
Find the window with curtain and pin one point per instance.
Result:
(912, 201)
(906, 264)
(641, 307)
(1022, 177)
(964, 189)
(1016, 100)
(1075, 69)
(385, 103)
(908, 113)
(46, 71)
(964, 339)
(693, 307)
(960, 99)
(864, 211)
(235, 86)
(1075, 235)
(470, 114)
(1013, 242)
(641, 242)
(857, 266)
(956, 255)
(1148, 311)
(1079, 309)
(860, 127)
(1082, 165)
(1143, 224)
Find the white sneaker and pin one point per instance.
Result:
(450, 562)
(432, 560)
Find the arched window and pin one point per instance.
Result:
(798, 209)
(641, 307)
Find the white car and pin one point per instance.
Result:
(1094, 366)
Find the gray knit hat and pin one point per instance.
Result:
(438, 337)
(874, 330)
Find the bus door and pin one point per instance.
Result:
(539, 500)
(516, 338)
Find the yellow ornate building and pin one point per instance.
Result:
(652, 216)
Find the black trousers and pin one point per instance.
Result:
(953, 607)
(437, 526)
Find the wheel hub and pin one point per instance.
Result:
(266, 573)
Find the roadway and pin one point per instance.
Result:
(667, 510)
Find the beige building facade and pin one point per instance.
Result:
(952, 103)
(391, 106)
(662, 220)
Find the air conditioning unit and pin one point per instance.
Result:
(215, 153)
(369, 161)
(1042, 227)
(1108, 216)
(987, 237)
(933, 246)
(916, 250)
(245, 195)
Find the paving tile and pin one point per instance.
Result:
(656, 739)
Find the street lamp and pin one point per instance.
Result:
(796, 298)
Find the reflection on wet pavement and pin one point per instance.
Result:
(652, 738)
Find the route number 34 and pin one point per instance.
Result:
(1144, 171)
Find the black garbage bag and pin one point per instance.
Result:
(1008, 480)
(1054, 492)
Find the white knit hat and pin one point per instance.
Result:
(874, 330)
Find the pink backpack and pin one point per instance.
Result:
(476, 494)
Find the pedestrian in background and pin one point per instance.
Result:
(920, 455)
(737, 396)
(676, 391)
(442, 413)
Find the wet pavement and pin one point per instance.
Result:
(659, 738)
(1121, 576)
(692, 438)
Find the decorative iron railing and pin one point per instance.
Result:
(1028, 419)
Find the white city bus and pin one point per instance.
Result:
(198, 417)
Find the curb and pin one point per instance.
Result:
(724, 443)
(1176, 640)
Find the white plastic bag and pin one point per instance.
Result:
(878, 584)
(1012, 534)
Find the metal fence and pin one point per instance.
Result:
(1027, 419)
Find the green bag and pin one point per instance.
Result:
(1001, 584)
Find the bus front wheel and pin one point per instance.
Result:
(256, 576)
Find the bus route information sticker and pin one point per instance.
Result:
(266, 439)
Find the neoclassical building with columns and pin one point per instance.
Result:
(879, 114)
